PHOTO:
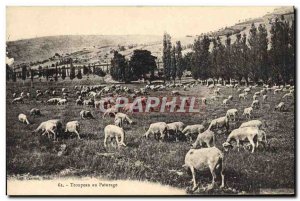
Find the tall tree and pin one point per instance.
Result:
(263, 64)
(254, 53)
(173, 64)
(167, 55)
(24, 73)
(118, 65)
(79, 74)
(63, 72)
(179, 60)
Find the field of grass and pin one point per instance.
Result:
(146, 159)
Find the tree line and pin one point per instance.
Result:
(53, 72)
(256, 57)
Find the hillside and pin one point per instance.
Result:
(99, 48)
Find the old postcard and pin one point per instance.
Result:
(150, 101)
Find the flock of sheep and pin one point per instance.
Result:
(207, 156)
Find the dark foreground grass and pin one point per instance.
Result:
(142, 159)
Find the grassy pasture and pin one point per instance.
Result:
(147, 159)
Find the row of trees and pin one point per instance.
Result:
(54, 72)
(172, 59)
(256, 56)
(141, 65)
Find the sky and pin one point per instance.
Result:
(31, 22)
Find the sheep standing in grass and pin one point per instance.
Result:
(35, 112)
(110, 111)
(113, 131)
(175, 128)
(23, 118)
(225, 101)
(252, 123)
(62, 101)
(202, 159)
(157, 128)
(232, 113)
(219, 123)
(255, 97)
(122, 118)
(241, 134)
(242, 95)
(84, 114)
(280, 106)
(73, 127)
(18, 100)
(230, 97)
(190, 130)
(255, 104)
(52, 126)
(288, 95)
(207, 137)
(248, 112)
(265, 98)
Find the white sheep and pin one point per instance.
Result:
(175, 93)
(73, 127)
(225, 101)
(86, 114)
(241, 134)
(53, 100)
(252, 123)
(52, 126)
(207, 137)
(190, 130)
(123, 118)
(62, 101)
(265, 98)
(277, 90)
(288, 95)
(157, 128)
(255, 104)
(242, 95)
(18, 100)
(255, 97)
(202, 159)
(175, 128)
(248, 112)
(280, 106)
(232, 113)
(219, 123)
(230, 97)
(23, 118)
(113, 131)
(257, 93)
(110, 111)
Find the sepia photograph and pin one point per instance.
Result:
(150, 100)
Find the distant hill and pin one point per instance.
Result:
(99, 48)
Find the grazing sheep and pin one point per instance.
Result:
(201, 159)
(248, 112)
(53, 100)
(288, 95)
(252, 123)
(255, 104)
(225, 101)
(123, 117)
(230, 97)
(118, 122)
(190, 130)
(73, 127)
(255, 97)
(52, 126)
(263, 91)
(241, 134)
(28, 95)
(257, 93)
(280, 106)
(110, 111)
(176, 93)
(84, 114)
(242, 95)
(157, 128)
(219, 123)
(79, 102)
(265, 97)
(18, 100)
(277, 90)
(239, 90)
(203, 100)
(62, 101)
(23, 118)
(35, 112)
(175, 128)
(247, 89)
(232, 113)
(113, 131)
(207, 137)
(89, 102)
